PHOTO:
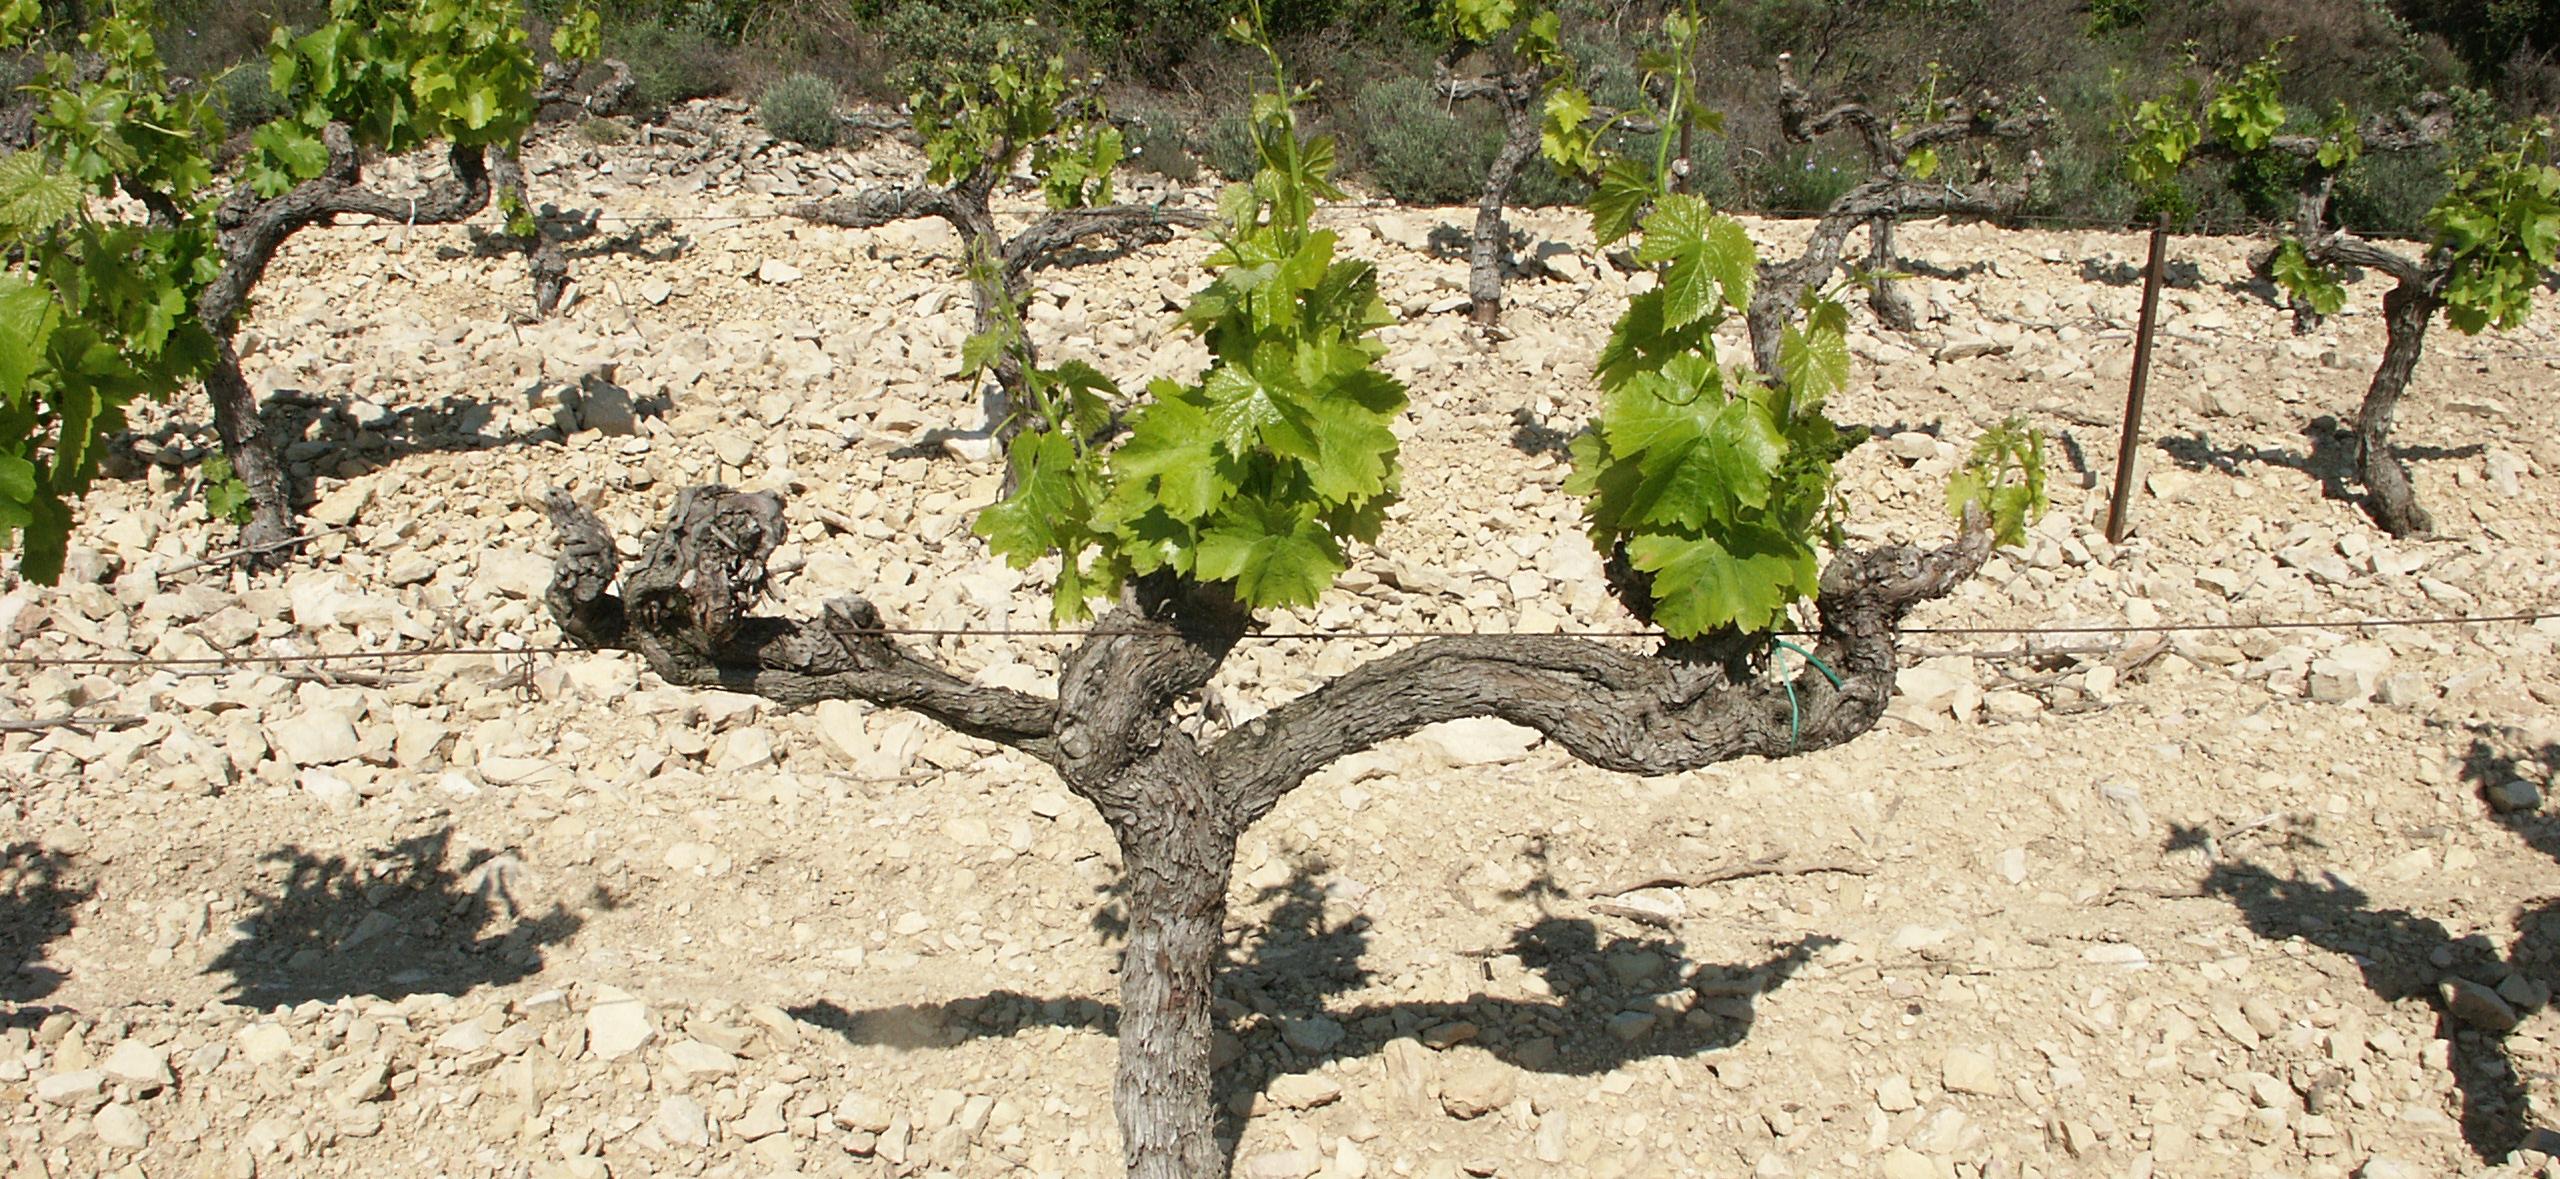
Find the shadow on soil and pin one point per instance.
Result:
(2330, 457)
(2405, 955)
(412, 918)
(1275, 1017)
(35, 908)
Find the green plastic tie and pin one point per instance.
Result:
(1795, 708)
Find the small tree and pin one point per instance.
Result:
(1241, 490)
(2497, 229)
(528, 229)
(1022, 110)
(2247, 118)
(1528, 68)
(380, 75)
(1908, 175)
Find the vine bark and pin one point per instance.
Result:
(1176, 794)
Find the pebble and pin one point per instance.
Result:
(2515, 795)
(1477, 1089)
(1967, 1070)
(140, 1065)
(2477, 1005)
(617, 1024)
(682, 1121)
(118, 1126)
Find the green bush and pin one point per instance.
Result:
(603, 132)
(1802, 179)
(1226, 145)
(802, 109)
(2390, 193)
(668, 66)
(1417, 149)
(247, 98)
(1156, 145)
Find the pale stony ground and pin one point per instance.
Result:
(2232, 903)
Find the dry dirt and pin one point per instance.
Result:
(2245, 902)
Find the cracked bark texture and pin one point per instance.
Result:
(1514, 93)
(252, 229)
(1889, 194)
(1177, 795)
(2416, 294)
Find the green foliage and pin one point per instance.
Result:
(2500, 225)
(2161, 133)
(668, 66)
(1022, 103)
(2249, 111)
(2323, 288)
(245, 97)
(1712, 479)
(1227, 146)
(1157, 146)
(2004, 477)
(1420, 149)
(96, 311)
(399, 74)
(225, 496)
(1260, 471)
(98, 302)
(802, 109)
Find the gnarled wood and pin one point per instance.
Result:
(2407, 308)
(1176, 808)
(252, 230)
(1889, 193)
(684, 610)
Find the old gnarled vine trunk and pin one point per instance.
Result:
(252, 230)
(2406, 309)
(1176, 797)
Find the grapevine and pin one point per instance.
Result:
(1257, 473)
(95, 308)
(102, 311)
(1714, 482)
(1022, 111)
(2496, 231)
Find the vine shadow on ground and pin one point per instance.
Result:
(2330, 458)
(2397, 952)
(413, 918)
(2175, 273)
(1273, 1009)
(34, 910)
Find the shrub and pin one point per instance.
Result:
(246, 96)
(1156, 144)
(1417, 149)
(1226, 145)
(1801, 179)
(2390, 193)
(603, 132)
(801, 108)
(668, 66)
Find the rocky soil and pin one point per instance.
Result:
(2239, 902)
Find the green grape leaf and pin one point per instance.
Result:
(1276, 556)
(17, 482)
(1815, 361)
(1625, 187)
(32, 197)
(1171, 452)
(1744, 580)
(1922, 163)
(1047, 509)
(2314, 284)
(2005, 477)
(27, 317)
